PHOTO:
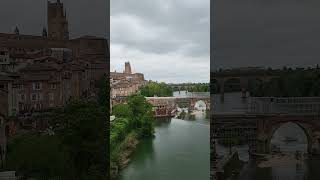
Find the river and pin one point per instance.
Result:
(279, 167)
(179, 150)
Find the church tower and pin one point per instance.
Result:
(57, 21)
(127, 68)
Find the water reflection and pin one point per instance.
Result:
(179, 150)
(290, 138)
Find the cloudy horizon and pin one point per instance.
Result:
(168, 41)
(273, 33)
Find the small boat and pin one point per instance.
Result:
(290, 139)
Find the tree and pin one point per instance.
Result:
(142, 111)
(38, 156)
(80, 127)
(122, 110)
(103, 91)
(293, 83)
(156, 89)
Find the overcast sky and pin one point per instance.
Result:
(167, 40)
(265, 33)
(86, 17)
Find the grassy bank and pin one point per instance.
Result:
(121, 153)
(133, 122)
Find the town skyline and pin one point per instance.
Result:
(168, 41)
(121, 69)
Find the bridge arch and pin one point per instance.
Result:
(267, 127)
(304, 127)
(200, 105)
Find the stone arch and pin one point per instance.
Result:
(200, 103)
(304, 127)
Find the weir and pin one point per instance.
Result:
(166, 106)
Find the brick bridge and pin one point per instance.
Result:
(240, 78)
(165, 106)
(264, 116)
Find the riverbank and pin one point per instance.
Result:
(120, 155)
(173, 154)
(133, 121)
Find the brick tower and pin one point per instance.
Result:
(57, 21)
(127, 68)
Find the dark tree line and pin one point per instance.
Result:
(78, 148)
(291, 83)
(151, 89)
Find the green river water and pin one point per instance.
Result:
(180, 150)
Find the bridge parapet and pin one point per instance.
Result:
(290, 105)
(200, 95)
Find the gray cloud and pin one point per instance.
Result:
(85, 16)
(178, 30)
(265, 33)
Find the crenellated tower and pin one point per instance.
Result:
(57, 21)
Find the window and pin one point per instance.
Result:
(51, 96)
(33, 97)
(22, 97)
(20, 86)
(37, 106)
(53, 86)
(37, 86)
(36, 97)
(40, 96)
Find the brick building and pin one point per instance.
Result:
(45, 71)
(126, 83)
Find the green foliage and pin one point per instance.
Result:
(183, 114)
(122, 110)
(292, 83)
(156, 89)
(142, 110)
(136, 115)
(80, 127)
(38, 156)
(199, 87)
(194, 87)
(76, 151)
(133, 120)
(103, 91)
(119, 129)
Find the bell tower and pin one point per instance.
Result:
(127, 68)
(57, 21)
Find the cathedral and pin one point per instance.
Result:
(125, 83)
(45, 71)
